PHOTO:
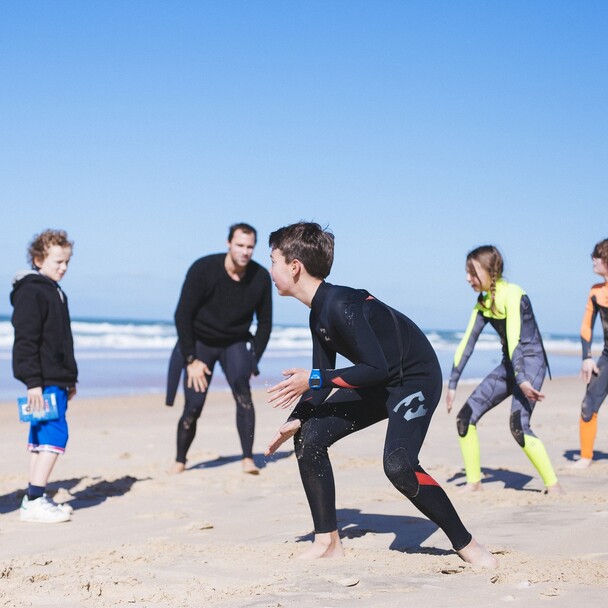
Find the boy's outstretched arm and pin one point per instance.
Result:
(286, 392)
(289, 429)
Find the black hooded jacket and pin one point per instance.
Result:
(43, 350)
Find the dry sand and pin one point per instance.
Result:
(214, 536)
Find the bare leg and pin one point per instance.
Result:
(327, 544)
(477, 555)
(40, 467)
(249, 467)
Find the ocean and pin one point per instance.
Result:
(128, 357)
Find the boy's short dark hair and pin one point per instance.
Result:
(601, 251)
(243, 227)
(41, 243)
(308, 243)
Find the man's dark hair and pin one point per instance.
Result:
(308, 243)
(243, 227)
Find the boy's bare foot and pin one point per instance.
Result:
(581, 463)
(325, 545)
(554, 489)
(249, 467)
(477, 555)
(178, 467)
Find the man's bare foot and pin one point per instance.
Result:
(249, 467)
(477, 555)
(178, 467)
(556, 488)
(325, 545)
(472, 487)
(581, 463)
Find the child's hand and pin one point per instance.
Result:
(287, 391)
(588, 369)
(530, 392)
(449, 399)
(289, 429)
(34, 399)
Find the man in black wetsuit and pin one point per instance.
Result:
(219, 298)
(394, 374)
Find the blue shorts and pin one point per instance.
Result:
(51, 435)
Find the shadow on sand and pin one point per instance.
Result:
(260, 460)
(510, 479)
(89, 496)
(409, 532)
(573, 455)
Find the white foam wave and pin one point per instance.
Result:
(133, 337)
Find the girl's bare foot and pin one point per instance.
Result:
(554, 489)
(325, 545)
(581, 463)
(473, 487)
(249, 467)
(477, 555)
(178, 467)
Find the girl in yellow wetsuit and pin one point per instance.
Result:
(521, 372)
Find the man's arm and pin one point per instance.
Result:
(263, 313)
(190, 300)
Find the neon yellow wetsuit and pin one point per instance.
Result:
(523, 360)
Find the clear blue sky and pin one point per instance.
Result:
(415, 130)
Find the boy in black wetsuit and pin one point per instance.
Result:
(395, 375)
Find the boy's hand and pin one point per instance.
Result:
(287, 391)
(289, 429)
(588, 369)
(530, 392)
(197, 373)
(35, 399)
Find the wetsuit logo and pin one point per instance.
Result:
(413, 412)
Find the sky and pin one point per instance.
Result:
(414, 130)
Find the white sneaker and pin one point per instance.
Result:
(42, 511)
(64, 506)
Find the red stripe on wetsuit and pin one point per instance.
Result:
(425, 480)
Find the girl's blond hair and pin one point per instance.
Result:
(491, 260)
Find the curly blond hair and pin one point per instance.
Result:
(41, 243)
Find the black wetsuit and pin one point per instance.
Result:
(395, 375)
(213, 319)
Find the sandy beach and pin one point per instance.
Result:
(214, 536)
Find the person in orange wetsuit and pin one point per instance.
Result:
(594, 374)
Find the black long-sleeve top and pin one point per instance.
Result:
(43, 349)
(384, 346)
(219, 311)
